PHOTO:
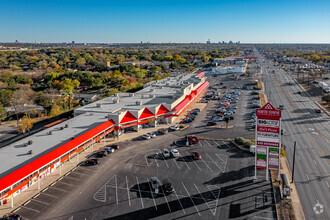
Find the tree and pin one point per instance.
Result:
(3, 113)
(227, 120)
(56, 110)
(21, 97)
(326, 99)
(24, 124)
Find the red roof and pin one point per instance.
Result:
(28, 169)
(200, 75)
(202, 87)
(129, 117)
(146, 114)
(162, 110)
(181, 105)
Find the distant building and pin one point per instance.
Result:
(223, 42)
(230, 42)
(73, 42)
(208, 41)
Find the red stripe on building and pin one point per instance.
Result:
(129, 117)
(146, 114)
(162, 110)
(35, 165)
(200, 75)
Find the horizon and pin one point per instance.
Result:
(257, 21)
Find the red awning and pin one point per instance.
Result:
(181, 105)
(129, 117)
(162, 110)
(200, 75)
(146, 114)
(35, 165)
(202, 87)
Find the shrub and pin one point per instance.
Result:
(181, 126)
(239, 140)
(247, 144)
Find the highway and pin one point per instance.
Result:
(311, 132)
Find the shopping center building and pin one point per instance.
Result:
(31, 159)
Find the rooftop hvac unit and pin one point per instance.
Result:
(138, 102)
(61, 128)
(152, 96)
(152, 90)
(116, 100)
(99, 105)
(30, 142)
(106, 116)
(66, 125)
(49, 133)
(131, 94)
(161, 87)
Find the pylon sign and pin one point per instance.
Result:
(268, 138)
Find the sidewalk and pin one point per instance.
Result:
(297, 208)
(71, 165)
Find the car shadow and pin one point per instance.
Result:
(143, 190)
(187, 158)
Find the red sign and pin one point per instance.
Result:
(268, 112)
(268, 129)
(269, 144)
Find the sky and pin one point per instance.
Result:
(155, 21)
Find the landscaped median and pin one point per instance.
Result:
(246, 143)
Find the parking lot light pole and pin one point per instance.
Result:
(294, 157)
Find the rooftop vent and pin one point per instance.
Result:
(131, 94)
(66, 125)
(152, 90)
(30, 142)
(49, 133)
(152, 96)
(99, 105)
(138, 102)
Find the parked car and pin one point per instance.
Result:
(195, 155)
(101, 153)
(211, 123)
(146, 136)
(318, 110)
(92, 161)
(155, 183)
(114, 146)
(11, 216)
(167, 187)
(281, 107)
(254, 93)
(162, 131)
(175, 153)
(109, 150)
(166, 153)
(151, 134)
(193, 139)
(174, 128)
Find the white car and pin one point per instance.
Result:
(175, 153)
(151, 134)
(155, 183)
(228, 113)
(146, 136)
(174, 127)
(166, 153)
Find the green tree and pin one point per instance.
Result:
(3, 113)
(24, 124)
(326, 98)
(55, 110)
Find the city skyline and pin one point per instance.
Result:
(158, 22)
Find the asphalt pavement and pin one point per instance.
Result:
(310, 130)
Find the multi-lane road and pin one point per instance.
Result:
(310, 130)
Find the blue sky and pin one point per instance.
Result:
(250, 21)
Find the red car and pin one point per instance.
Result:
(193, 139)
(195, 155)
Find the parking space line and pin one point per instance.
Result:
(116, 189)
(195, 162)
(168, 205)
(204, 199)
(184, 212)
(30, 209)
(213, 161)
(207, 143)
(185, 162)
(137, 181)
(227, 145)
(217, 144)
(225, 162)
(176, 163)
(129, 198)
(58, 189)
(45, 203)
(68, 184)
(191, 199)
(152, 195)
(207, 165)
(50, 195)
(164, 160)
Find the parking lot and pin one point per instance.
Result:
(218, 186)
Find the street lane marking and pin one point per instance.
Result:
(152, 195)
(116, 189)
(307, 176)
(315, 162)
(129, 198)
(184, 212)
(298, 157)
(326, 182)
(137, 181)
(191, 199)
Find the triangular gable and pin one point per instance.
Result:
(268, 106)
(128, 118)
(162, 110)
(146, 114)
